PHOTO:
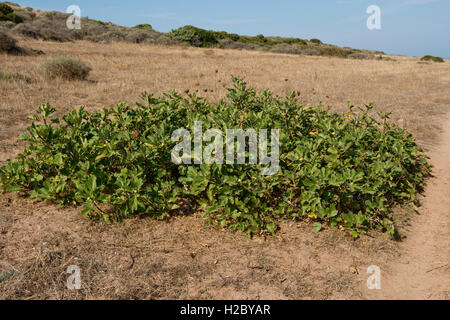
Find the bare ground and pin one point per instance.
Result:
(423, 269)
(182, 258)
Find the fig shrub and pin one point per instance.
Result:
(344, 170)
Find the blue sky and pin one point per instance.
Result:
(410, 27)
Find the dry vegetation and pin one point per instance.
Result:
(143, 258)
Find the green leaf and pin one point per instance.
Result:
(317, 227)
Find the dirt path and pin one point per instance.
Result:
(423, 269)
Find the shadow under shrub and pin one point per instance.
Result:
(66, 68)
(346, 170)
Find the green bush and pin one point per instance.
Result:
(8, 14)
(431, 58)
(261, 38)
(144, 26)
(11, 17)
(14, 18)
(5, 9)
(294, 41)
(316, 41)
(66, 68)
(195, 36)
(223, 35)
(345, 170)
(334, 51)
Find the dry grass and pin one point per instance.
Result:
(142, 258)
(122, 71)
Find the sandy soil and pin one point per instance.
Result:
(423, 269)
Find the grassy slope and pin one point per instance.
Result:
(52, 26)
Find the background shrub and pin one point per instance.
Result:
(7, 43)
(25, 14)
(144, 26)
(291, 40)
(310, 52)
(5, 9)
(431, 58)
(138, 36)
(107, 37)
(286, 48)
(27, 30)
(238, 45)
(316, 41)
(7, 14)
(195, 36)
(359, 55)
(11, 17)
(66, 68)
(8, 25)
(58, 35)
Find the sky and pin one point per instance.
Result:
(409, 27)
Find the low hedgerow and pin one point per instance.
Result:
(345, 170)
(66, 68)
